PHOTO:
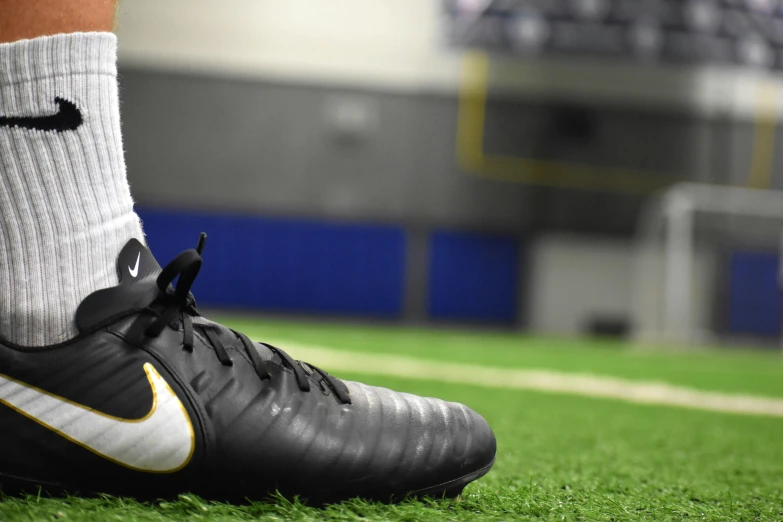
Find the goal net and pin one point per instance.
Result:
(686, 237)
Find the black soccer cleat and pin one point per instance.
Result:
(152, 399)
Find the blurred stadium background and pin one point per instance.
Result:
(501, 162)
(468, 199)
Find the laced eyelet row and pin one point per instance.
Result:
(180, 303)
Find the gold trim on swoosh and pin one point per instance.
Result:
(151, 373)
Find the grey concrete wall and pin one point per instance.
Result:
(271, 148)
(275, 149)
(579, 279)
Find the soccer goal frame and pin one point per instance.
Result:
(666, 252)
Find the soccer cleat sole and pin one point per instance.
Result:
(452, 488)
(15, 485)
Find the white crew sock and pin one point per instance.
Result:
(65, 204)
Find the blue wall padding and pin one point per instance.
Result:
(754, 294)
(290, 265)
(473, 277)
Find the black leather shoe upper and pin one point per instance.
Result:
(83, 414)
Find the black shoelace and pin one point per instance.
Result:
(181, 303)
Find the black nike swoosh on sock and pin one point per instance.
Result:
(68, 117)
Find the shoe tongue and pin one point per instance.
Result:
(137, 270)
(136, 263)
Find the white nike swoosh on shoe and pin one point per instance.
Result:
(162, 441)
(135, 270)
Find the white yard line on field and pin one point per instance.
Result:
(540, 380)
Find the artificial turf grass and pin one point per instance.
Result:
(750, 371)
(559, 457)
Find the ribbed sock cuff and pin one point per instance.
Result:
(58, 55)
